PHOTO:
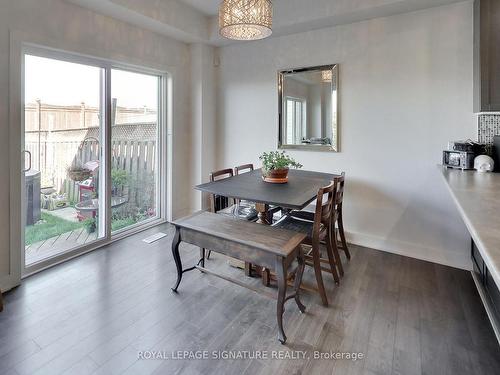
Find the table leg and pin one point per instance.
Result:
(263, 218)
(202, 256)
(177, 258)
(262, 210)
(298, 279)
(248, 269)
(281, 275)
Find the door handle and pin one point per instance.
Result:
(29, 160)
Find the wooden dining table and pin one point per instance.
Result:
(300, 190)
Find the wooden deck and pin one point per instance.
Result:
(57, 245)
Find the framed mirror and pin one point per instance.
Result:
(308, 108)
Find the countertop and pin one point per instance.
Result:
(477, 196)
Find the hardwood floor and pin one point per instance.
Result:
(94, 314)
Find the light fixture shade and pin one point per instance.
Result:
(326, 75)
(246, 19)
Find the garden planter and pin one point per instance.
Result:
(79, 175)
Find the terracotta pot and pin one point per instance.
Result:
(275, 176)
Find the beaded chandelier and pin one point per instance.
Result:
(246, 19)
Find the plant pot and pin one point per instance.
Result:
(91, 228)
(79, 175)
(275, 176)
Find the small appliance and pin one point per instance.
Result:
(459, 159)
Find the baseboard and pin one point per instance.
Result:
(182, 212)
(7, 283)
(411, 250)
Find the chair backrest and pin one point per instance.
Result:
(220, 175)
(243, 169)
(324, 208)
(339, 197)
(220, 202)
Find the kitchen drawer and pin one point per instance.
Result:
(493, 293)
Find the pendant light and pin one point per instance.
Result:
(245, 19)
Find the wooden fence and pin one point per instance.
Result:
(133, 150)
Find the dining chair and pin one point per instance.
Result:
(320, 229)
(239, 170)
(227, 206)
(340, 220)
(245, 168)
(337, 221)
(231, 207)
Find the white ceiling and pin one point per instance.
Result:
(208, 7)
(195, 21)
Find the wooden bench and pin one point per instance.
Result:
(266, 246)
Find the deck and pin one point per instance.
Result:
(57, 245)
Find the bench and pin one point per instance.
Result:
(266, 246)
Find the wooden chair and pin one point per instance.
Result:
(245, 168)
(239, 170)
(320, 229)
(227, 206)
(337, 220)
(340, 220)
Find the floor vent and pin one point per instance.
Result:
(155, 237)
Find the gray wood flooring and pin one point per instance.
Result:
(94, 314)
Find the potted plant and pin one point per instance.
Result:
(90, 225)
(78, 172)
(275, 165)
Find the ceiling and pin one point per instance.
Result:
(207, 7)
(195, 21)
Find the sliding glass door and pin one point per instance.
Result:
(92, 151)
(134, 145)
(63, 152)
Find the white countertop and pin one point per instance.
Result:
(477, 196)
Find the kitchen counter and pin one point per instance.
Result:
(477, 196)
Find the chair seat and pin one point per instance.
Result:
(240, 211)
(305, 215)
(246, 203)
(296, 225)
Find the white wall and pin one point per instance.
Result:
(203, 119)
(405, 90)
(69, 27)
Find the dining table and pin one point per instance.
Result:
(296, 194)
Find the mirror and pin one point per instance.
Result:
(308, 108)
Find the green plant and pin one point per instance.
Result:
(90, 224)
(278, 160)
(119, 178)
(119, 223)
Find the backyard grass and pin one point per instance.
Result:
(49, 226)
(119, 223)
